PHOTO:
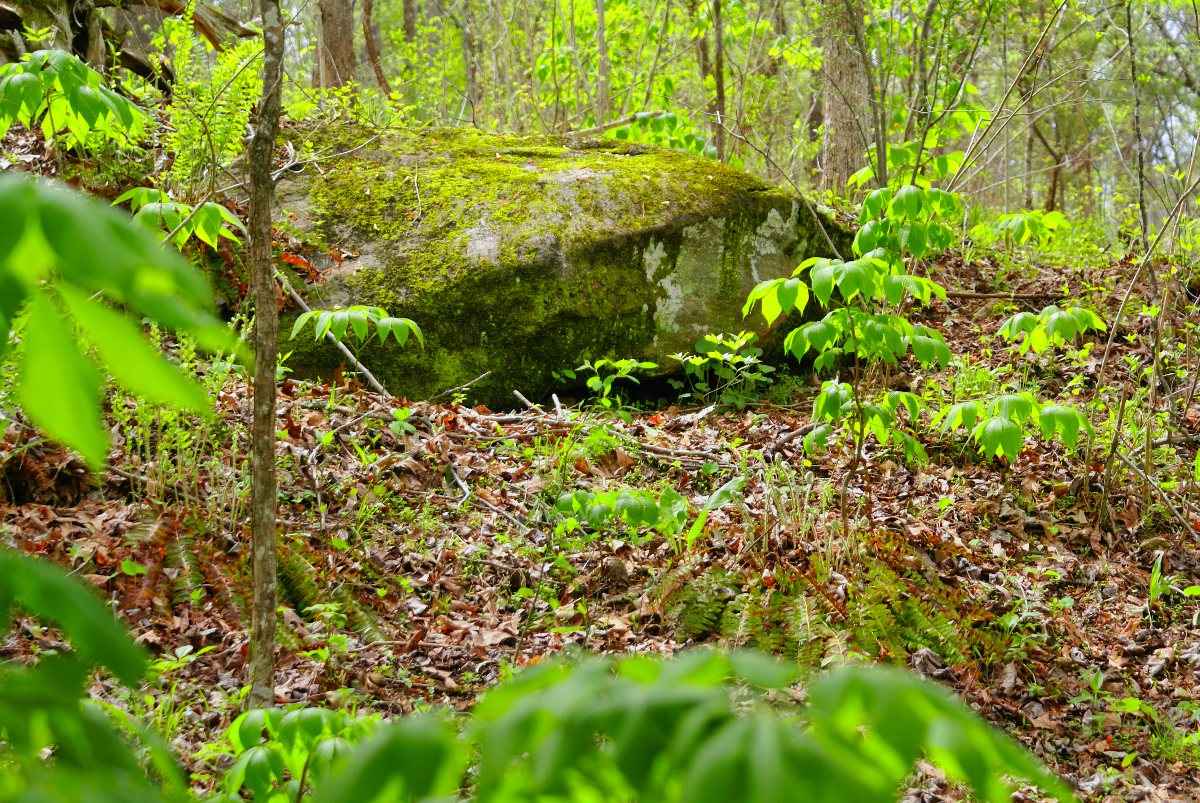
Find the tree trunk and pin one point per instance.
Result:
(372, 43)
(844, 105)
(719, 80)
(470, 51)
(410, 21)
(266, 331)
(603, 104)
(335, 45)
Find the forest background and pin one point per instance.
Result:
(1063, 142)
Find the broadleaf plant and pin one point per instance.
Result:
(65, 303)
(58, 92)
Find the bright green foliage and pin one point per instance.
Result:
(725, 369)
(912, 219)
(280, 754)
(644, 729)
(920, 162)
(836, 404)
(881, 337)
(636, 507)
(1033, 226)
(359, 320)
(998, 426)
(155, 209)
(42, 705)
(604, 375)
(210, 104)
(1052, 327)
(63, 260)
(667, 512)
(908, 223)
(57, 91)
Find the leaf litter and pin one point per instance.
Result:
(418, 567)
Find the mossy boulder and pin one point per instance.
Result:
(522, 256)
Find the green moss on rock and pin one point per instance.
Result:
(521, 256)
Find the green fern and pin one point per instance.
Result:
(889, 612)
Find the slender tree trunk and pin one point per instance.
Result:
(266, 331)
(844, 106)
(336, 43)
(719, 79)
(603, 103)
(1029, 169)
(1137, 124)
(410, 21)
(780, 24)
(470, 54)
(372, 43)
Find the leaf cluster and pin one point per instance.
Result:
(71, 310)
(60, 92)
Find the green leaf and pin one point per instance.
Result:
(963, 414)
(44, 591)
(1065, 421)
(399, 328)
(58, 388)
(822, 277)
(999, 436)
(360, 325)
(417, 758)
(725, 494)
(930, 347)
(854, 278)
(1021, 323)
(256, 770)
(907, 203)
(1013, 406)
(132, 568)
(912, 237)
(301, 321)
(130, 358)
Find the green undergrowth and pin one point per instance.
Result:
(874, 607)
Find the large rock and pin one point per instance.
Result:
(522, 256)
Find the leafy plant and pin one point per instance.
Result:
(1034, 225)
(42, 706)
(725, 368)
(209, 110)
(280, 755)
(55, 90)
(1052, 327)
(360, 320)
(604, 375)
(209, 222)
(52, 284)
(836, 404)
(998, 426)
(666, 512)
(644, 729)
(906, 223)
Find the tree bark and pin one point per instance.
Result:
(844, 105)
(410, 21)
(602, 80)
(266, 331)
(719, 79)
(372, 44)
(335, 23)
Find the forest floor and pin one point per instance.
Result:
(424, 561)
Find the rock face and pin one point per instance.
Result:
(523, 256)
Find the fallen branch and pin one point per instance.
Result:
(1162, 494)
